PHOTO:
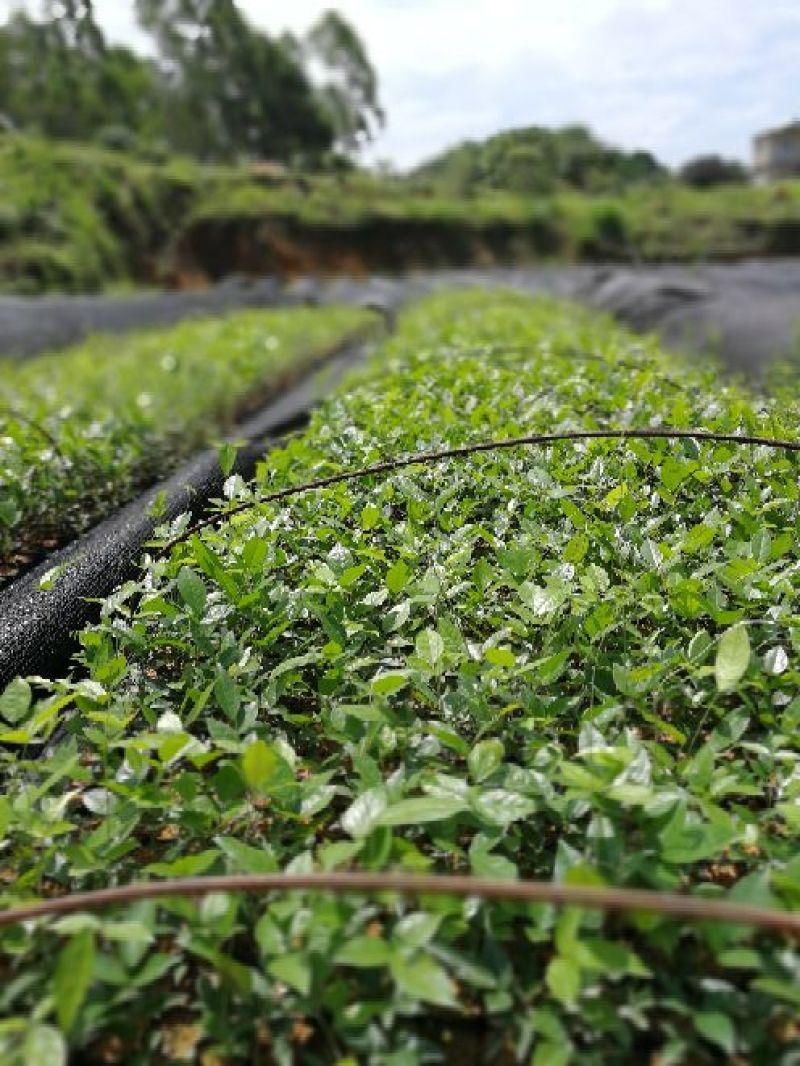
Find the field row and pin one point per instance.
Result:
(576, 663)
(82, 431)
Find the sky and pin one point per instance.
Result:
(678, 77)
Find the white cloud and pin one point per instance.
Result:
(676, 76)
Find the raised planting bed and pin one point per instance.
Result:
(83, 430)
(569, 662)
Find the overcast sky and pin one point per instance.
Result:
(676, 76)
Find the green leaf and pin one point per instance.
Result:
(422, 979)
(227, 694)
(266, 771)
(158, 507)
(718, 1029)
(500, 657)
(293, 970)
(5, 817)
(785, 991)
(545, 602)
(485, 758)
(486, 864)
(430, 647)
(501, 807)
(44, 1046)
(364, 952)
(16, 700)
(246, 859)
(155, 967)
(733, 658)
(397, 577)
(362, 816)
(577, 549)
(389, 683)
(187, 866)
(370, 516)
(549, 1054)
(73, 976)
(421, 810)
(605, 956)
(776, 661)
(227, 457)
(51, 577)
(563, 978)
(192, 590)
(418, 929)
(9, 512)
(254, 555)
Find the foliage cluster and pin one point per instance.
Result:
(539, 161)
(708, 171)
(81, 430)
(218, 89)
(578, 663)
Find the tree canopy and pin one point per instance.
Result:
(538, 160)
(709, 171)
(219, 87)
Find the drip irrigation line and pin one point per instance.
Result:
(619, 900)
(541, 439)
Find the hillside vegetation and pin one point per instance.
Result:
(85, 219)
(576, 662)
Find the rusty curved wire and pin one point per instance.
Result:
(625, 900)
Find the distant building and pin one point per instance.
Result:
(777, 153)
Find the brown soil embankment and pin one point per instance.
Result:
(213, 249)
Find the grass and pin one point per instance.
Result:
(578, 663)
(82, 219)
(82, 430)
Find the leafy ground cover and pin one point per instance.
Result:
(576, 663)
(82, 430)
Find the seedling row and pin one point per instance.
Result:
(82, 431)
(575, 663)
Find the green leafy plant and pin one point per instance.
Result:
(575, 663)
(82, 430)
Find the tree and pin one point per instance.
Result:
(350, 89)
(234, 90)
(75, 25)
(59, 78)
(708, 171)
(220, 89)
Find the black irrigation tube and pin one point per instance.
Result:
(37, 627)
(606, 898)
(422, 458)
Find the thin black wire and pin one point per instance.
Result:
(463, 451)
